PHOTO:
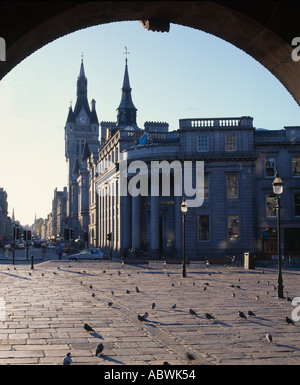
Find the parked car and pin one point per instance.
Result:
(86, 254)
(51, 246)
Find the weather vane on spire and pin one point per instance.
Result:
(81, 56)
(126, 53)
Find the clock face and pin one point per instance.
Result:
(82, 119)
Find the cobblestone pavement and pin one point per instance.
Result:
(45, 309)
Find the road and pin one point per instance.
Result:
(39, 255)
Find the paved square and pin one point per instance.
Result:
(46, 308)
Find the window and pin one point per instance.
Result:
(233, 227)
(230, 142)
(270, 166)
(271, 205)
(297, 205)
(202, 143)
(296, 166)
(203, 227)
(232, 186)
(77, 147)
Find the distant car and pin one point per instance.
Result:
(7, 247)
(43, 244)
(21, 246)
(96, 254)
(51, 246)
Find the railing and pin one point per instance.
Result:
(153, 137)
(243, 121)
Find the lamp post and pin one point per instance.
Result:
(184, 209)
(278, 189)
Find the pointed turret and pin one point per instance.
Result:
(82, 100)
(71, 117)
(126, 112)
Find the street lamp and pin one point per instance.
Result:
(184, 209)
(278, 190)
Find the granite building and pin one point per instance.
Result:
(240, 161)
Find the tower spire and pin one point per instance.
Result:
(82, 100)
(126, 112)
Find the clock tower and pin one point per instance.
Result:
(81, 128)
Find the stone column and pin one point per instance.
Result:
(136, 238)
(177, 224)
(126, 221)
(154, 227)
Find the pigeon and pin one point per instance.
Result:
(145, 316)
(289, 321)
(209, 316)
(88, 328)
(67, 360)
(109, 304)
(192, 312)
(127, 291)
(204, 288)
(257, 298)
(269, 337)
(166, 363)
(242, 315)
(99, 350)
(194, 284)
(42, 274)
(141, 318)
(289, 299)
(93, 295)
(173, 307)
(137, 289)
(153, 305)
(112, 292)
(251, 313)
(190, 357)
(233, 295)
(91, 286)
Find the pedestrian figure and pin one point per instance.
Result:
(59, 251)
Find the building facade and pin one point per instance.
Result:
(5, 221)
(108, 204)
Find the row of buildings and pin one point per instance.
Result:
(237, 211)
(5, 220)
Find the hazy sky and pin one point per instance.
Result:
(185, 73)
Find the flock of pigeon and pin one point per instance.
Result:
(144, 318)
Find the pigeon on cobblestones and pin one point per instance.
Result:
(88, 328)
(153, 305)
(242, 315)
(141, 318)
(99, 350)
(269, 337)
(67, 360)
(289, 321)
(137, 289)
(192, 312)
(189, 356)
(251, 313)
(173, 307)
(110, 304)
(209, 316)
(145, 315)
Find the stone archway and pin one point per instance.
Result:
(264, 30)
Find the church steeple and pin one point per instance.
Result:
(82, 100)
(126, 112)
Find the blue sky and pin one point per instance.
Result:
(185, 73)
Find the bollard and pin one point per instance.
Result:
(32, 262)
